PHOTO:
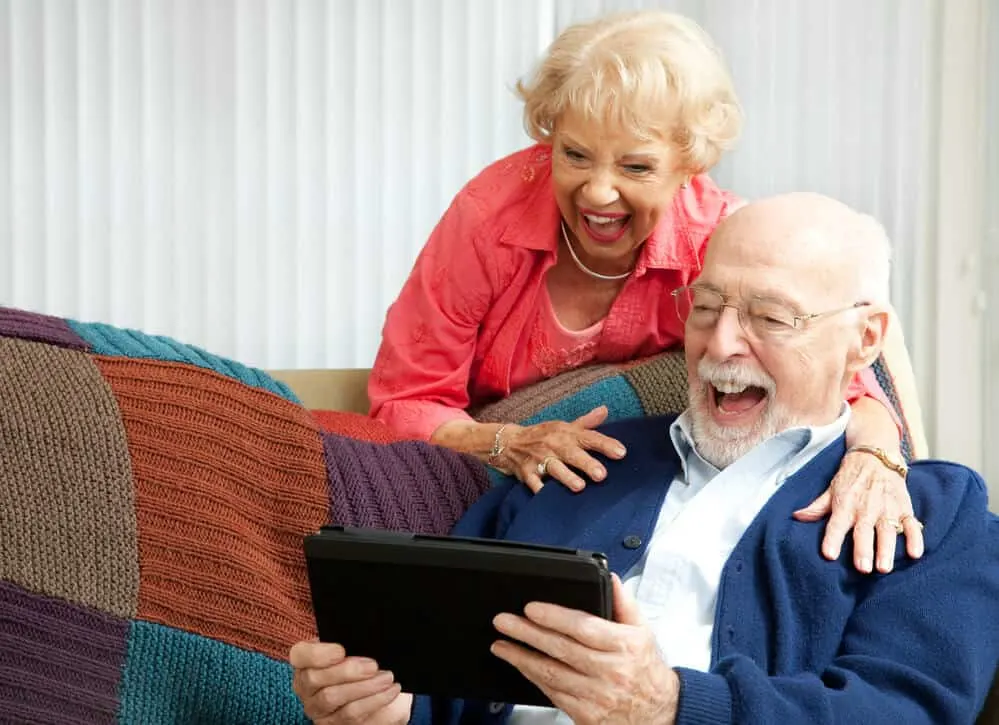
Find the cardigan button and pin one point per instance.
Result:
(632, 542)
(495, 708)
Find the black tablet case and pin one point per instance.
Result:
(422, 606)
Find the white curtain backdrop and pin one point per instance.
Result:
(990, 270)
(257, 176)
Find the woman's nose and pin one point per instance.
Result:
(600, 191)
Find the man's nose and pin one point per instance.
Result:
(728, 338)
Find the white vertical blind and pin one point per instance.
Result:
(257, 176)
(254, 176)
(990, 270)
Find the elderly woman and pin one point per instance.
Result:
(566, 253)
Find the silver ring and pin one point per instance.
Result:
(543, 466)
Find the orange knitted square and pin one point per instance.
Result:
(228, 479)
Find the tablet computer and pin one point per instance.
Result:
(422, 606)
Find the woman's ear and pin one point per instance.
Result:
(873, 324)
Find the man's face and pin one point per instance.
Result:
(748, 382)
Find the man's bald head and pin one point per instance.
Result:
(849, 250)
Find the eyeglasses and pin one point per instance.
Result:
(762, 318)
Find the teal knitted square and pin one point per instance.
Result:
(119, 342)
(615, 392)
(171, 676)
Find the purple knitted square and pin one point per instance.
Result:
(404, 486)
(58, 662)
(40, 328)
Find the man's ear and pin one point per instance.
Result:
(873, 324)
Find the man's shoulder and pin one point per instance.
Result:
(648, 449)
(641, 433)
(946, 495)
(946, 479)
(639, 425)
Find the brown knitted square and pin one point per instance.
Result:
(660, 382)
(67, 511)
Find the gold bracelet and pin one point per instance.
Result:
(882, 455)
(498, 447)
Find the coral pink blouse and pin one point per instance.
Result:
(474, 322)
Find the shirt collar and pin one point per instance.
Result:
(671, 245)
(799, 443)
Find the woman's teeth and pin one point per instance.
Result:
(601, 219)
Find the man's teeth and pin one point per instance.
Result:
(729, 388)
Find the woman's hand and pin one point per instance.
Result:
(556, 448)
(873, 501)
(867, 496)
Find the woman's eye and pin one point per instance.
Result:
(637, 169)
(574, 155)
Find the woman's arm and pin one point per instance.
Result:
(420, 377)
(869, 494)
(555, 448)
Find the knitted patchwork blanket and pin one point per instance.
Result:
(153, 502)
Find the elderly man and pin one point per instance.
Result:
(724, 612)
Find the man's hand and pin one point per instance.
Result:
(593, 670)
(336, 689)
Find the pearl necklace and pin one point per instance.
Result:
(584, 268)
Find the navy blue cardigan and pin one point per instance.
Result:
(797, 638)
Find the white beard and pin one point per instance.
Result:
(721, 446)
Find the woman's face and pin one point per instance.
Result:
(611, 188)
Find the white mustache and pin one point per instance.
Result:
(734, 374)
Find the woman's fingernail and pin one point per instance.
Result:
(597, 474)
(865, 565)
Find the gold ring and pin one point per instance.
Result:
(895, 524)
(543, 466)
(910, 516)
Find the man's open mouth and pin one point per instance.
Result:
(735, 399)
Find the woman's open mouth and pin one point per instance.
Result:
(605, 228)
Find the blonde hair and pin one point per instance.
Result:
(653, 72)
